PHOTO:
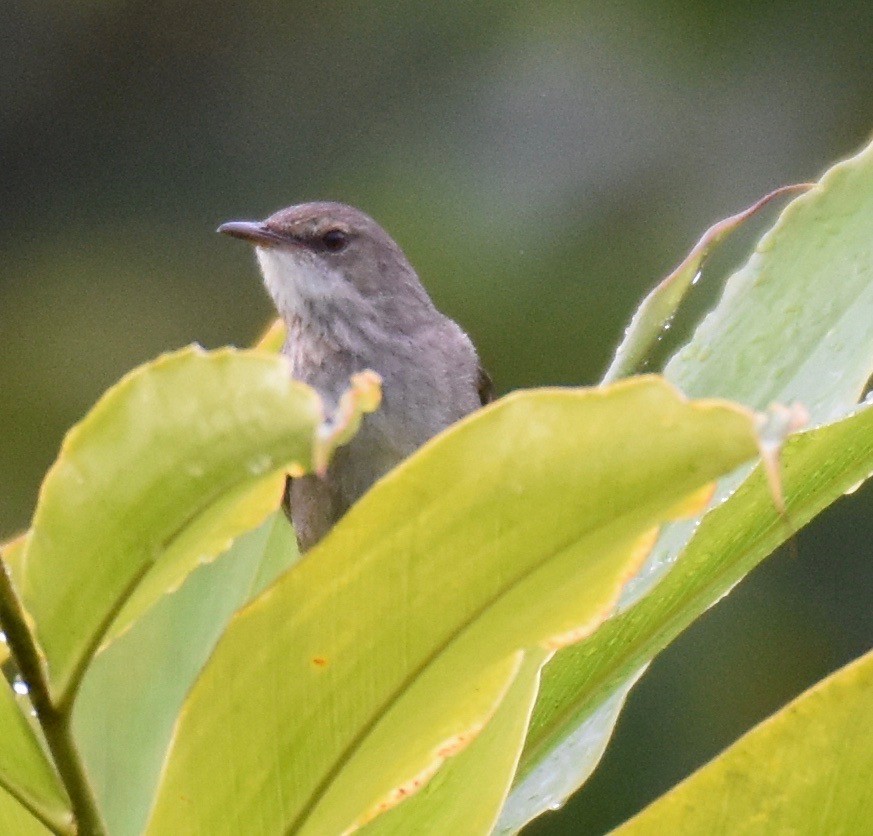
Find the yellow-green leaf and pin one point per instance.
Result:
(157, 456)
(466, 795)
(16, 820)
(794, 325)
(805, 770)
(819, 466)
(25, 771)
(383, 652)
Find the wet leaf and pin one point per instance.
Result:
(131, 696)
(794, 325)
(172, 463)
(26, 772)
(660, 305)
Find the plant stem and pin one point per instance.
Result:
(54, 721)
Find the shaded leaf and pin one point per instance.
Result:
(131, 696)
(796, 322)
(566, 766)
(661, 304)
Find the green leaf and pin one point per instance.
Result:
(131, 696)
(661, 304)
(12, 551)
(819, 466)
(209, 533)
(806, 769)
(565, 763)
(466, 795)
(795, 324)
(149, 482)
(25, 771)
(15, 819)
(348, 682)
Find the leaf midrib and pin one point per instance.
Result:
(346, 756)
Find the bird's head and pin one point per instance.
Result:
(323, 260)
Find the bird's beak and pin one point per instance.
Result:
(255, 232)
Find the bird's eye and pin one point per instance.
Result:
(334, 240)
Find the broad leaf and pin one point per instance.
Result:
(819, 466)
(567, 763)
(346, 684)
(807, 769)
(795, 324)
(204, 536)
(15, 819)
(466, 795)
(172, 463)
(131, 696)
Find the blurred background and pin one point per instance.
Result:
(542, 164)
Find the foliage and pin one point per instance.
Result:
(808, 768)
(188, 673)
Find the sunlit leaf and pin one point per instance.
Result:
(160, 456)
(806, 769)
(15, 819)
(819, 466)
(346, 684)
(273, 337)
(795, 324)
(466, 795)
(207, 534)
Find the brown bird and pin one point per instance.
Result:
(351, 301)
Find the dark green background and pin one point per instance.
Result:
(542, 163)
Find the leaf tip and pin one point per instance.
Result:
(773, 428)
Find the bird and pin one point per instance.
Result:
(351, 301)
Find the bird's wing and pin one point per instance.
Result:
(484, 385)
